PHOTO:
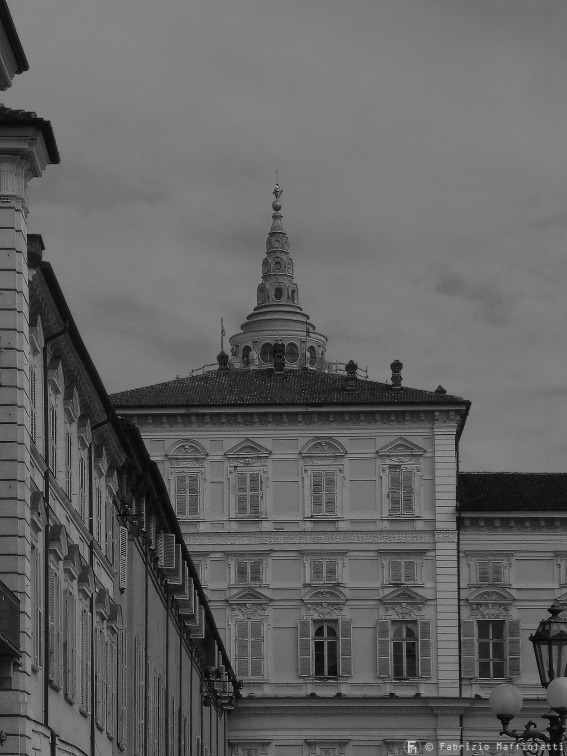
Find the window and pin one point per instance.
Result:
(70, 645)
(86, 642)
(83, 485)
(37, 606)
(33, 403)
(291, 349)
(325, 648)
(99, 514)
(139, 696)
(246, 356)
(68, 463)
(404, 649)
(248, 571)
(248, 494)
(249, 648)
(267, 353)
(55, 628)
(323, 492)
(491, 649)
(111, 685)
(187, 494)
(324, 571)
(490, 571)
(101, 670)
(53, 439)
(325, 651)
(122, 690)
(401, 491)
(402, 571)
(311, 356)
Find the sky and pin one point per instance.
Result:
(422, 150)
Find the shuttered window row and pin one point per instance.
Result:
(55, 661)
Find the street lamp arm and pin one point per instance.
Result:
(527, 734)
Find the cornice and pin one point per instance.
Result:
(505, 522)
(339, 536)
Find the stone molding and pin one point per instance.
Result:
(445, 536)
(386, 536)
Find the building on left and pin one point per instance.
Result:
(107, 643)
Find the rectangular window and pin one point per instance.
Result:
(122, 691)
(248, 494)
(404, 649)
(86, 650)
(250, 648)
(491, 645)
(99, 515)
(401, 491)
(111, 525)
(139, 696)
(324, 571)
(187, 495)
(403, 571)
(249, 571)
(33, 403)
(324, 492)
(70, 645)
(83, 486)
(111, 687)
(37, 607)
(55, 629)
(490, 571)
(101, 670)
(68, 464)
(325, 648)
(53, 439)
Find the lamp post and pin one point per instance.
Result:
(550, 647)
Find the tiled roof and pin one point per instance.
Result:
(512, 491)
(29, 118)
(235, 388)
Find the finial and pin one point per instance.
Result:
(277, 205)
(396, 368)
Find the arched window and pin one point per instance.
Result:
(312, 356)
(404, 649)
(325, 649)
(278, 293)
(291, 352)
(246, 355)
(267, 353)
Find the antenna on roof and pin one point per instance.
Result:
(222, 335)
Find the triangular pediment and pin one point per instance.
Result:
(491, 596)
(403, 596)
(324, 596)
(248, 596)
(248, 448)
(324, 446)
(187, 447)
(401, 447)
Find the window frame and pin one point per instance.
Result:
(243, 665)
(337, 470)
(248, 560)
(252, 469)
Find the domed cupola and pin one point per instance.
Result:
(277, 315)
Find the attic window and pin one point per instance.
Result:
(278, 293)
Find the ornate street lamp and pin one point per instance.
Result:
(550, 647)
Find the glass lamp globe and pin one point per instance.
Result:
(557, 694)
(505, 700)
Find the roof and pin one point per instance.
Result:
(234, 388)
(14, 40)
(29, 118)
(512, 491)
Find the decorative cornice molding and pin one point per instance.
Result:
(505, 522)
(445, 536)
(386, 536)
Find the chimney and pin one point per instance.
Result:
(222, 359)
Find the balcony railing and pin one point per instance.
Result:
(9, 622)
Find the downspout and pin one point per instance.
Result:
(167, 697)
(92, 604)
(146, 627)
(180, 710)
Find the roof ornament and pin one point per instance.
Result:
(396, 368)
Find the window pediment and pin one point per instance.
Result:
(401, 448)
(100, 460)
(86, 580)
(322, 595)
(84, 432)
(71, 403)
(247, 449)
(58, 541)
(490, 603)
(403, 596)
(248, 596)
(111, 481)
(115, 617)
(37, 506)
(102, 603)
(323, 447)
(55, 375)
(187, 448)
(36, 333)
(72, 562)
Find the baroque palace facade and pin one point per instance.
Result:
(107, 643)
(367, 592)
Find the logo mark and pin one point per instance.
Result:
(412, 747)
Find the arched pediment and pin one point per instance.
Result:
(324, 596)
(490, 596)
(401, 447)
(246, 449)
(323, 446)
(187, 447)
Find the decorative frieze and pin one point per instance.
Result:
(505, 524)
(388, 536)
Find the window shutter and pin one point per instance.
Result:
(483, 572)
(395, 490)
(52, 599)
(256, 648)
(407, 492)
(256, 571)
(166, 551)
(33, 410)
(181, 495)
(410, 571)
(331, 571)
(345, 633)
(317, 570)
(330, 492)
(383, 628)
(396, 571)
(304, 649)
(68, 464)
(255, 493)
(193, 495)
(514, 658)
(242, 648)
(122, 573)
(424, 648)
(241, 493)
(316, 492)
(468, 649)
(497, 572)
(241, 571)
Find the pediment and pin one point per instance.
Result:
(115, 616)
(55, 374)
(112, 481)
(102, 602)
(72, 562)
(248, 448)
(58, 541)
(323, 446)
(401, 447)
(86, 581)
(100, 460)
(403, 595)
(37, 506)
(324, 596)
(71, 403)
(490, 596)
(36, 332)
(187, 447)
(84, 431)
(248, 596)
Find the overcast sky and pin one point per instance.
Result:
(422, 149)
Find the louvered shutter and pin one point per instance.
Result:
(407, 492)
(166, 551)
(317, 570)
(483, 569)
(33, 408)
(424, 648)
(256, 648)
(241, 571)
(497, 572)
(331, 571)
(410, 571)
(59, 632)
(255, 493)
(396, 571)
(330, 492)
(193, 495)
(51, 659)
(256, 571)
(68, 464)
(316, 492)
(241, 494)
(513, 647)
(99, 522)
(304, 648)
(122, 572)
(468, 649)
(181, 495)
(383, 632)
(242, 648)
(345, 635)
(395, 490)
